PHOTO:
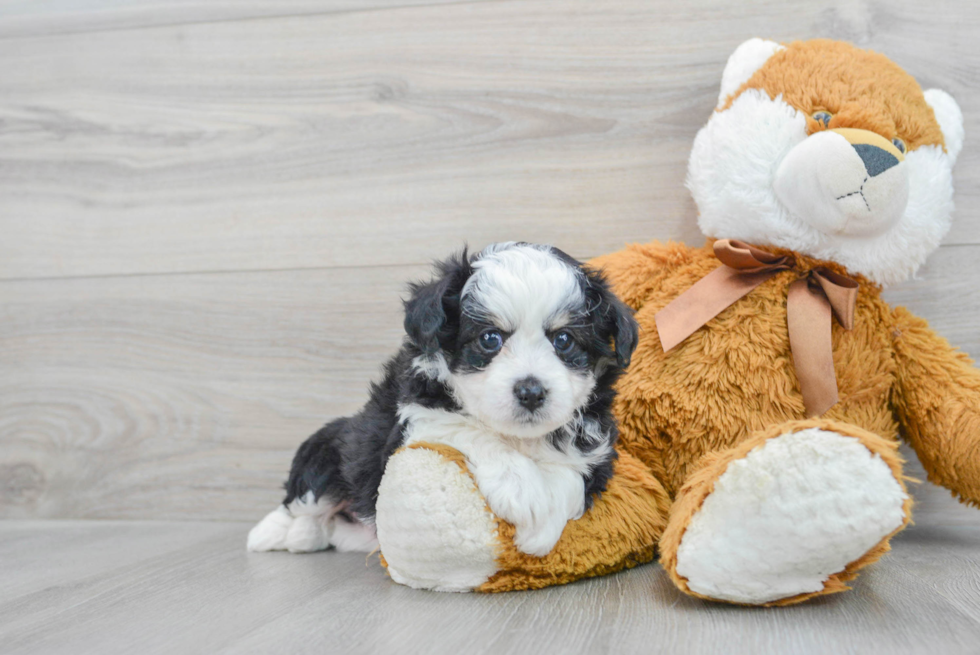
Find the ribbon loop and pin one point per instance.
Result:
(749, 259)
(812, 302)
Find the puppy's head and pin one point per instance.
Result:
(521, 334)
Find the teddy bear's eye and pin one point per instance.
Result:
(823, 117)
(899, 144)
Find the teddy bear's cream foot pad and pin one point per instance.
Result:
(433, 525)
(791, 513)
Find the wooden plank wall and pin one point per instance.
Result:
(208, 211)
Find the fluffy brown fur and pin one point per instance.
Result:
(862, 89)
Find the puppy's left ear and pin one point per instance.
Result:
(432, 311)
(616, 318)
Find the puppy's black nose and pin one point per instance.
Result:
(529, 393)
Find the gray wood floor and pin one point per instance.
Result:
(208, 212)
(189, 587)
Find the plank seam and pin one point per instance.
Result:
(241, 19)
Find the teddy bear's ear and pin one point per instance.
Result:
(950, 120)
(746, 60)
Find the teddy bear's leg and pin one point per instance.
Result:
(436, 531)
(791, 513)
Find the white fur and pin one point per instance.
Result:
(786, 517)
(526, 482)
(434, 367)
(523, 285)
(270, 533)
(307, 526)
(731, 175)
(433, 524)
(353, 536)
(823, 180)
(743, 63)
(950, 120)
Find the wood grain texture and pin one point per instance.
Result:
(180, 396)
(26, 18)
(390, 136)
(152, 587)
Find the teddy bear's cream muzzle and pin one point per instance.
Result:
(845, 181)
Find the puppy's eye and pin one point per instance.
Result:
(822, 117)
(562, 341)
(898, 143)
(491, 341)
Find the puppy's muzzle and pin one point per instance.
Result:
(530, 393)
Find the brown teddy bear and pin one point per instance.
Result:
(761, 413)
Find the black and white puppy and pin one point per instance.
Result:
(511, 358)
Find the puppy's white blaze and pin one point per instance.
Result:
(732, 167)
(523, 284)
(528, 483)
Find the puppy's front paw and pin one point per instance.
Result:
(539, 539)
(515, 491)
(566, 501)
(537, 505)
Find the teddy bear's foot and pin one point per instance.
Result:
(434, 526)
(437, 532)
(791, 513)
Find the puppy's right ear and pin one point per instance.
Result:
(432, 312)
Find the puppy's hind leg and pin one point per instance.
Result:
(270, 533)
(349, 534)
(314, 494)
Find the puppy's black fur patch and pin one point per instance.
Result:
(344, 460)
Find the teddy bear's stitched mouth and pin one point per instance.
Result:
(860, 192)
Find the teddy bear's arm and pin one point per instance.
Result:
(639, 269)
(937, 401)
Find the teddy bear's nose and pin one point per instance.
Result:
(876, 160)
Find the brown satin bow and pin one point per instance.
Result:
(810, 302)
